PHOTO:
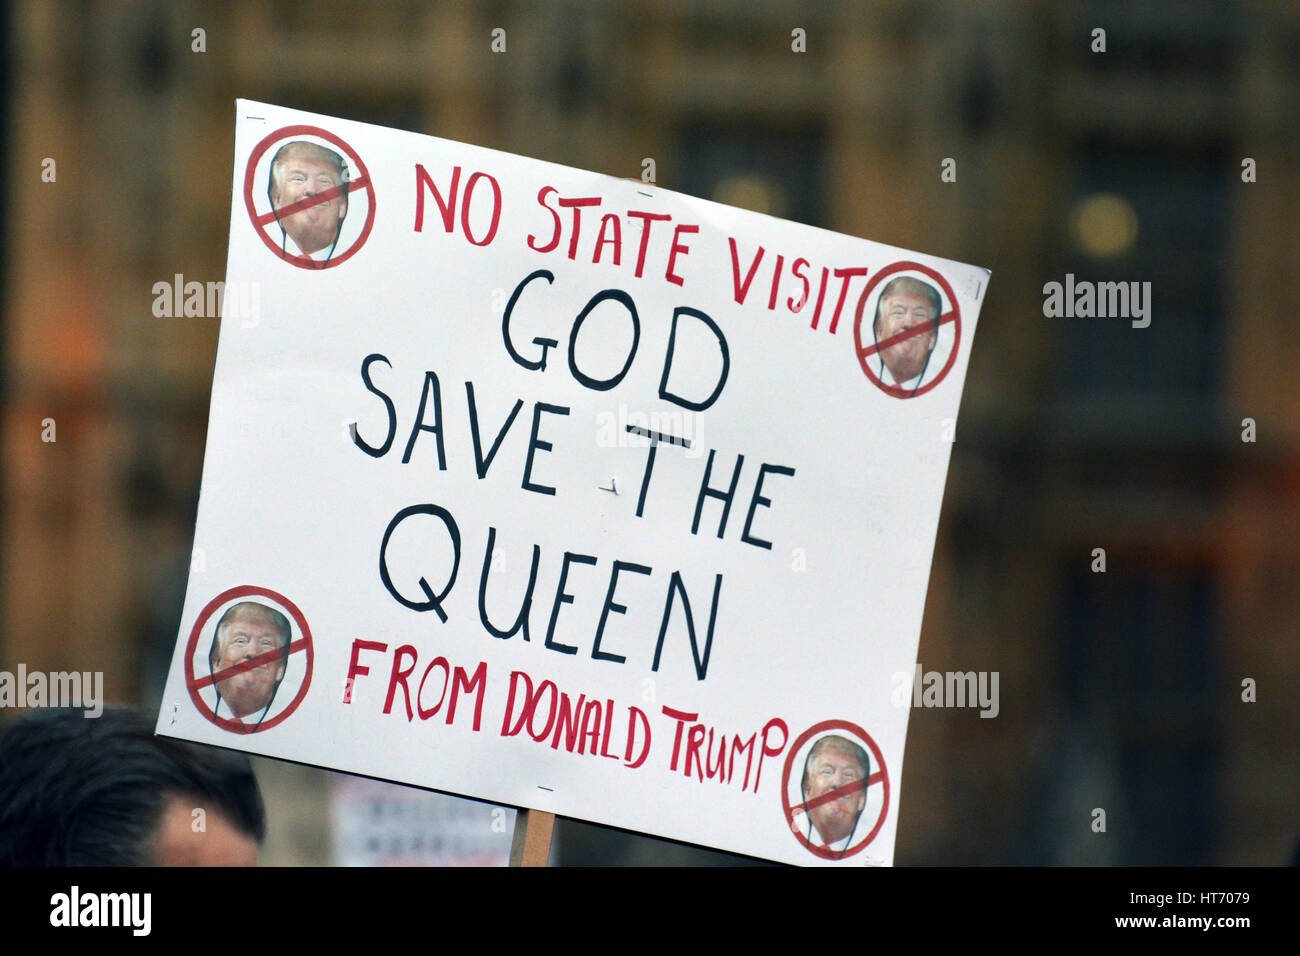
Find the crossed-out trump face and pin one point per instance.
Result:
(908, 304)
(835, 765)
(244, 632)
(301, 171)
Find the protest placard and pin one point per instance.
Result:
(566, 491)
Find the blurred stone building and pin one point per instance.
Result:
(1120, 690)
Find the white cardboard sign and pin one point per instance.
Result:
(566, 491)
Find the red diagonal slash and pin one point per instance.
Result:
(843, 791)
(918, 329)
(249, 664)
(307, 202)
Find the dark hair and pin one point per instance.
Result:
(82, 791)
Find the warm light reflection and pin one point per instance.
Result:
(756, 193)
(1104, 225)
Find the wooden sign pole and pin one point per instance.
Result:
(531, 845)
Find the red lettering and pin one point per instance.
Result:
(609, 719)
(769, 751)
(399, 675)
(419, 694)
(496, 208)
(681, 717)
(677, 247)
(590, 728)
(555, 238)
(742, 290)
(648, 218)
(821, 294)
(605, 220)
(510, 704)
(847, 275)
(568, 723)
(748, 750)
(719, 769)
(631, 738)
(532, 707)
(447, 206)
(693, 741)
(776, 281)
(576, 205)
(479, 680)
(803, 299)
(354, 668)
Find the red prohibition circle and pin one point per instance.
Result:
(302, 644)
(363, 181)
(866, 351)
(880, 776)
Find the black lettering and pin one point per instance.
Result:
(724, 497)
(534, 443)
(668, 362)
(382, 450)
(758, 499)
(562, 598)
(604, 385)
(645, 480)
(482, 464)
(537, 364)
(596, 653)
(420, 426)
(701, 663)
(432, 602)
(521, 622)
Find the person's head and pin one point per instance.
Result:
(300, 170)
(906, 303)
(835, 763)
(79, 791)
(245, 631)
